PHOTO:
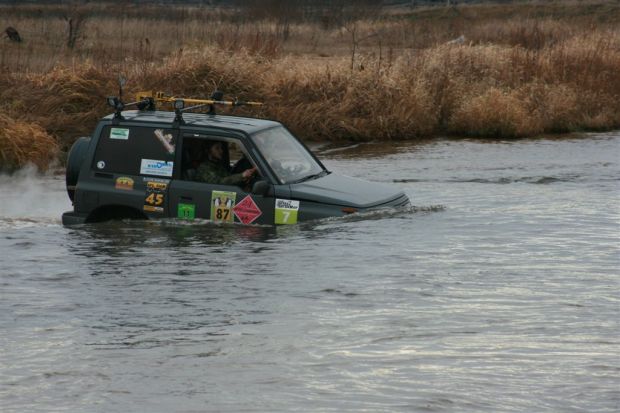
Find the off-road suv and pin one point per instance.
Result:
(143, 164)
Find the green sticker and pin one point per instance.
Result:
(186, 211)
(286, 211)
(119, 133)
(222, 203)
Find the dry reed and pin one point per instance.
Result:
(23, 143)
(520, 71)
(66, 101)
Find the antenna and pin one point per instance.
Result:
(121, 84)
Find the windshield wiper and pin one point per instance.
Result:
(313, 176)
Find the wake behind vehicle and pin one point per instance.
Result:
(146, 164)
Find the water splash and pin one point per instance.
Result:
(30, 198)
(401, 212)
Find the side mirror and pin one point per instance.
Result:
(261, 188)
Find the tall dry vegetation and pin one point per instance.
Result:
(519, 70)
(24, 142)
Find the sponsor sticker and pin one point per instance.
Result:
(186, 211)
(155, 196)
(165, 140)
(124, 183)
(119, 133)
(155, 167)
(286, 211)
(222, 203)
(247, 211)
(156, 180)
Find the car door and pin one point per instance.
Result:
(132, 166)
(191, 199)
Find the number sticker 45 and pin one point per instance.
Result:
(154, 199)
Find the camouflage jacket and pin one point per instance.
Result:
(216, 173)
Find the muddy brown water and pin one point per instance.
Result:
(499, 291)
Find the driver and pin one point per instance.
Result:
(215, 171)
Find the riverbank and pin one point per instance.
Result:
(481, 71)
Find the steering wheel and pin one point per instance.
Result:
(241, 165)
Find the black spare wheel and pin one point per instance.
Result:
(76, 157)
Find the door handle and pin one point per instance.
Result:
(103, 175)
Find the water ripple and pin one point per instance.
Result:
(498, 292)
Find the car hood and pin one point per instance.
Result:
(346, 191)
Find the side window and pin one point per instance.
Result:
(135, 151)
(194, 154)
(235, 152)
(214, 160)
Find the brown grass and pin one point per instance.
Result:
(22, 143)
(66, 101)
(522, 70)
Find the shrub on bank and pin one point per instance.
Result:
(495, 114)
(23, 142)
(66, 102)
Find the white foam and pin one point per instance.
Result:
(28, 196)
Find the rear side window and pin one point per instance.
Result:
(135, 151)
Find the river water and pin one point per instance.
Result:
(499, 291)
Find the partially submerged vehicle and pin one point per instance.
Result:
(142, 164)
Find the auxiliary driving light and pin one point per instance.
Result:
(112, 101)
(179, 104)
(217, 95)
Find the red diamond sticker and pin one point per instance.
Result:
(246, 210)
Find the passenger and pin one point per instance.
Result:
(214, 169)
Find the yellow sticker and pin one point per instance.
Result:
(222, 203)
(286, 211)
(124, 183)
(155, 196)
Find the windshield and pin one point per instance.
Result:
(290, 161)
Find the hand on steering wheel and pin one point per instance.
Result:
(249, 173)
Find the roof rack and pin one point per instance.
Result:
(145, 103)
(148, 100)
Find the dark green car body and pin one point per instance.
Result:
(143, 163)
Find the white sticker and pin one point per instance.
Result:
(100, 164)
(287, 204)
(154, 167)
(165, 140)
(286, 211)
(119, 133)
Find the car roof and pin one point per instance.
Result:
(248, 125)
